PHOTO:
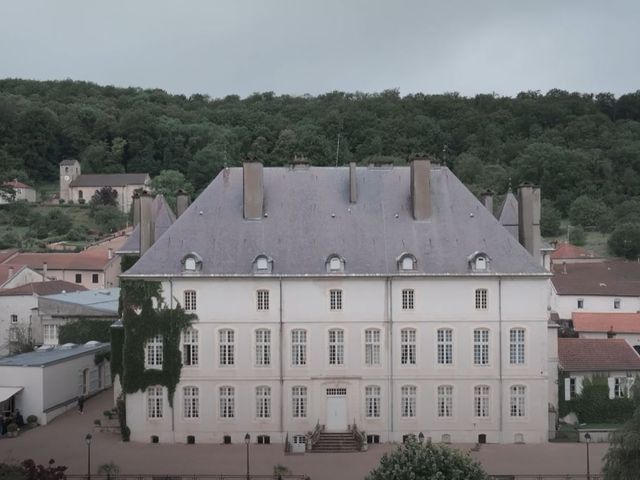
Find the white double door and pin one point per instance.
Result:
(337, 411)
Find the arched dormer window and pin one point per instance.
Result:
(479, 262)
(406, 262)
(262, 264)
(335, 264)
(192, 262)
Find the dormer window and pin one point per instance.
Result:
(407, 262)
(479, 262)
(192, 262)
(262, 264)
(335, 263)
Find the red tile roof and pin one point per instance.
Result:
(7, 254)
(16, 184)
(605, 322)
(91, 259)
(43, 288)
(613, 278)
(567, 250)
(5, 269)
(587, 354)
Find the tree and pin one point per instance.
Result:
(168, 182)
(108, 219)
(550, 219)
(577, 236)
(417, 461)
(586, 211)
(31, 471)
(104, 197)
(624, 241)
(622, 460)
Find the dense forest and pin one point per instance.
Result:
(583, 149)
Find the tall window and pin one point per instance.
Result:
(336, 346)
(191, 397)
(481, 346)
(227, 347)
(227, 402)
(516, 346)
(263, 402)
(263, 347)
(372, 401)
(14, 318)
(263, 299)
(299, 402)
(445, 346)
(372, 347)
(154, 352)
(445, 401)
(580, 303)
(408, 346)
(335, 299)
(408, 401)
(481, 401)
(154, 402)
(517, 400)
(298, 347)
(481, 299)
(619, 387)
(407, 299)
(190, 347)
(190, 300)
(50, 333)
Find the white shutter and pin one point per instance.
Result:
(612, 387)
(579, 385)
(630, 381)
(567, 389)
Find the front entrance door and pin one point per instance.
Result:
(336, 409)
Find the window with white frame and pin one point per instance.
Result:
(335, 299)
(263, 402)
(407, 299)
(299, 402)
(335, 264)
(580, 303)
(445, 401)
(262, 263)
(372, 347)
(336, 346)
(190, 264)
(263, 299)
(298, 347)
(191, 399)
(481, 401)
(14, 318)
(372, 401)
(263, 347)
(517, 400)
(481, 299)
(619, 387)
(408, 394)
(616, 303)
(516, 346)
(227, 402)
(481, 263)
(50, 333)
(190, 300)
(190, 347)
(407, 263)
(154, 354)
(445, 346)
(227, 347)
(408, 346)
(154, 402)
(481, 346)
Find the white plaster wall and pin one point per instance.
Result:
(20, 305)
(566, 304)
(30, 400)
(24, 276)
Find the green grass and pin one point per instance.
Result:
(595, 241)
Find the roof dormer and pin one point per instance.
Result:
(191, 263)
(335, 263)
(262, 264)
(407, 262)
(479, 262)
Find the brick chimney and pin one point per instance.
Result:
(486, 198)
(353, 183)
(147, 222)
(420, 186)
(182, 202)
(253, 189)
(529, 219)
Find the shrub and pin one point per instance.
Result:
(12, 427)
(577, 236)
(97, 422)
(625, 241)
(32, 419)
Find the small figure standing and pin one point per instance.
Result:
(19, 419)
(81, 403)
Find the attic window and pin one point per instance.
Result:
(479, 262)
(406, 262)
(335, 263)
(192, 262)
(262, 264)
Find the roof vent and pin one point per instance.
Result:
(300, 162)
(67, 346)
(91, 343)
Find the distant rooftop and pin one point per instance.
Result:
(164, 218)
(606, 322)
(110, 180)
(43, 288)
(105, 299)
(52, 355)
(611, 278)
(590, 354)
(565, 250)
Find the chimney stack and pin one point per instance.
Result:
(135, 205)
(421, 186)
(147, 223)
(253, 189)
(486, 198)
(109, 253)
(10, 272)
(182, 202)
(44, 271)
(529, 219)
(353, 183)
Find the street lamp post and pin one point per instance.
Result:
(587, 438)
(247, 440)
(88, 440)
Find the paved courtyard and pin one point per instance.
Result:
(63, 440)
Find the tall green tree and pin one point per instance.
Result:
(622, 460)
(168, 182)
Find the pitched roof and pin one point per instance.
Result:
(164, 218)
(95, 258)
(9, 268)
(605, 322)
(110, 179)
(68, 161)
(105, 300)
(42, 288)
(610, 278)
(7, 254)
(565, 250)
(508, 216)
(588, 354)
(52, 355)
(16, 184)
(308, 217)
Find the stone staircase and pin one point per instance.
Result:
(336, 442)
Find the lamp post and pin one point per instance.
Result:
(587, 438)
(421, 437)
(247, 440)
(88, 440)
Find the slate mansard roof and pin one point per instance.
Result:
(308, 217)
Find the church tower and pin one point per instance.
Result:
(69, 171)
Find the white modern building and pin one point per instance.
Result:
(387, 298)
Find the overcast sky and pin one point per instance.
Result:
(298, 46)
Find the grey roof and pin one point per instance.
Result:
(41, 358)
(68, 161)
(104, 300)
(308, 217)
(509, 214)
(164, 218)
(110, 179)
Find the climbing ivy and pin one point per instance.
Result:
(82, 331)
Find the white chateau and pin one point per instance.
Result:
(385, 297)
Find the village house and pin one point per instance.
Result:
(608, 325)
(19, 192)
